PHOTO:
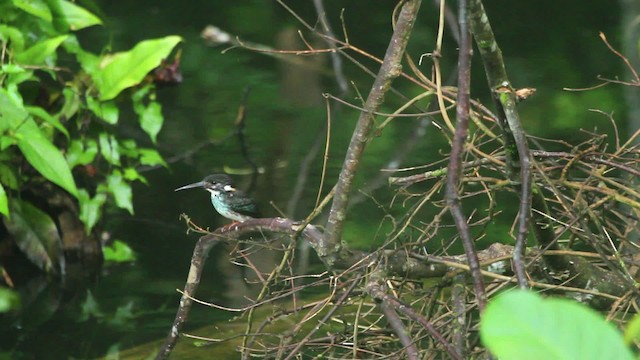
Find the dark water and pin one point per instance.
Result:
(134, 303)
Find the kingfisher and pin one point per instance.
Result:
(226, 199)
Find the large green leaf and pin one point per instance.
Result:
(36, 148)
(73, 16)
(122, 70)
(45, 157)
(35, 234)
(522, 325)
(34, 7)
(38, 53)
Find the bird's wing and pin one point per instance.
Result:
(244, 204)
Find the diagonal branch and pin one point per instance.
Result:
(390, 69)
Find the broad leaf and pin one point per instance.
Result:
(81, 154)
(34, 7)
(38, 53)
(90, 209)
(123, 70)
(109, 148)
(35, 234)
(151, 157)
(522, 325)
(9, 299)
(151, 119)
(121, 191)
(105, 110)
(45, 157)
(118, 252)
(77, 17)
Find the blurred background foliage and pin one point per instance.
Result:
(112, 156)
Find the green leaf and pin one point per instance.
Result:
(77, 17)
(34, 7)
(121, 191)
(35, 234)
(105, 110)
(131, 174)
(151, 157)
(118, 252)
(4, 202)
(38, 53)
(90, 209)
(45, 157)
(9, 299)
(71, 105)
(80, 154)
(109, 148)
(10, 34)
(123, 70)
(632, 332)
(8, 176)
(12, 112)
(42, 114)
(522, 325)
(151, 119)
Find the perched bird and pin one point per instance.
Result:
(226, 199)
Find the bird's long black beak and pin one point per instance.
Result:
(199, 184)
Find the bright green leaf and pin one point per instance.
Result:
(90, 209)
(12, 69)
(34, 7)
(125, 69)
(88, 61)
(9, 299)
(131, 174)
(151, 157)
(522, 325)
(77, 17)
(79, 153)
(36, 235)
(105, 110)
(151, 120)
(4, 202)
(42, 114)
(632, 332)
(9, 34)
(45, 157)
(12, 111)
(8, 176)
(118, 252)
(121, 191)
(38, 53)
(109, 148)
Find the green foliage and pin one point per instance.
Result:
(67, 134)
(522, 325)
(119, 252)
(36, 235)
(9, 300)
